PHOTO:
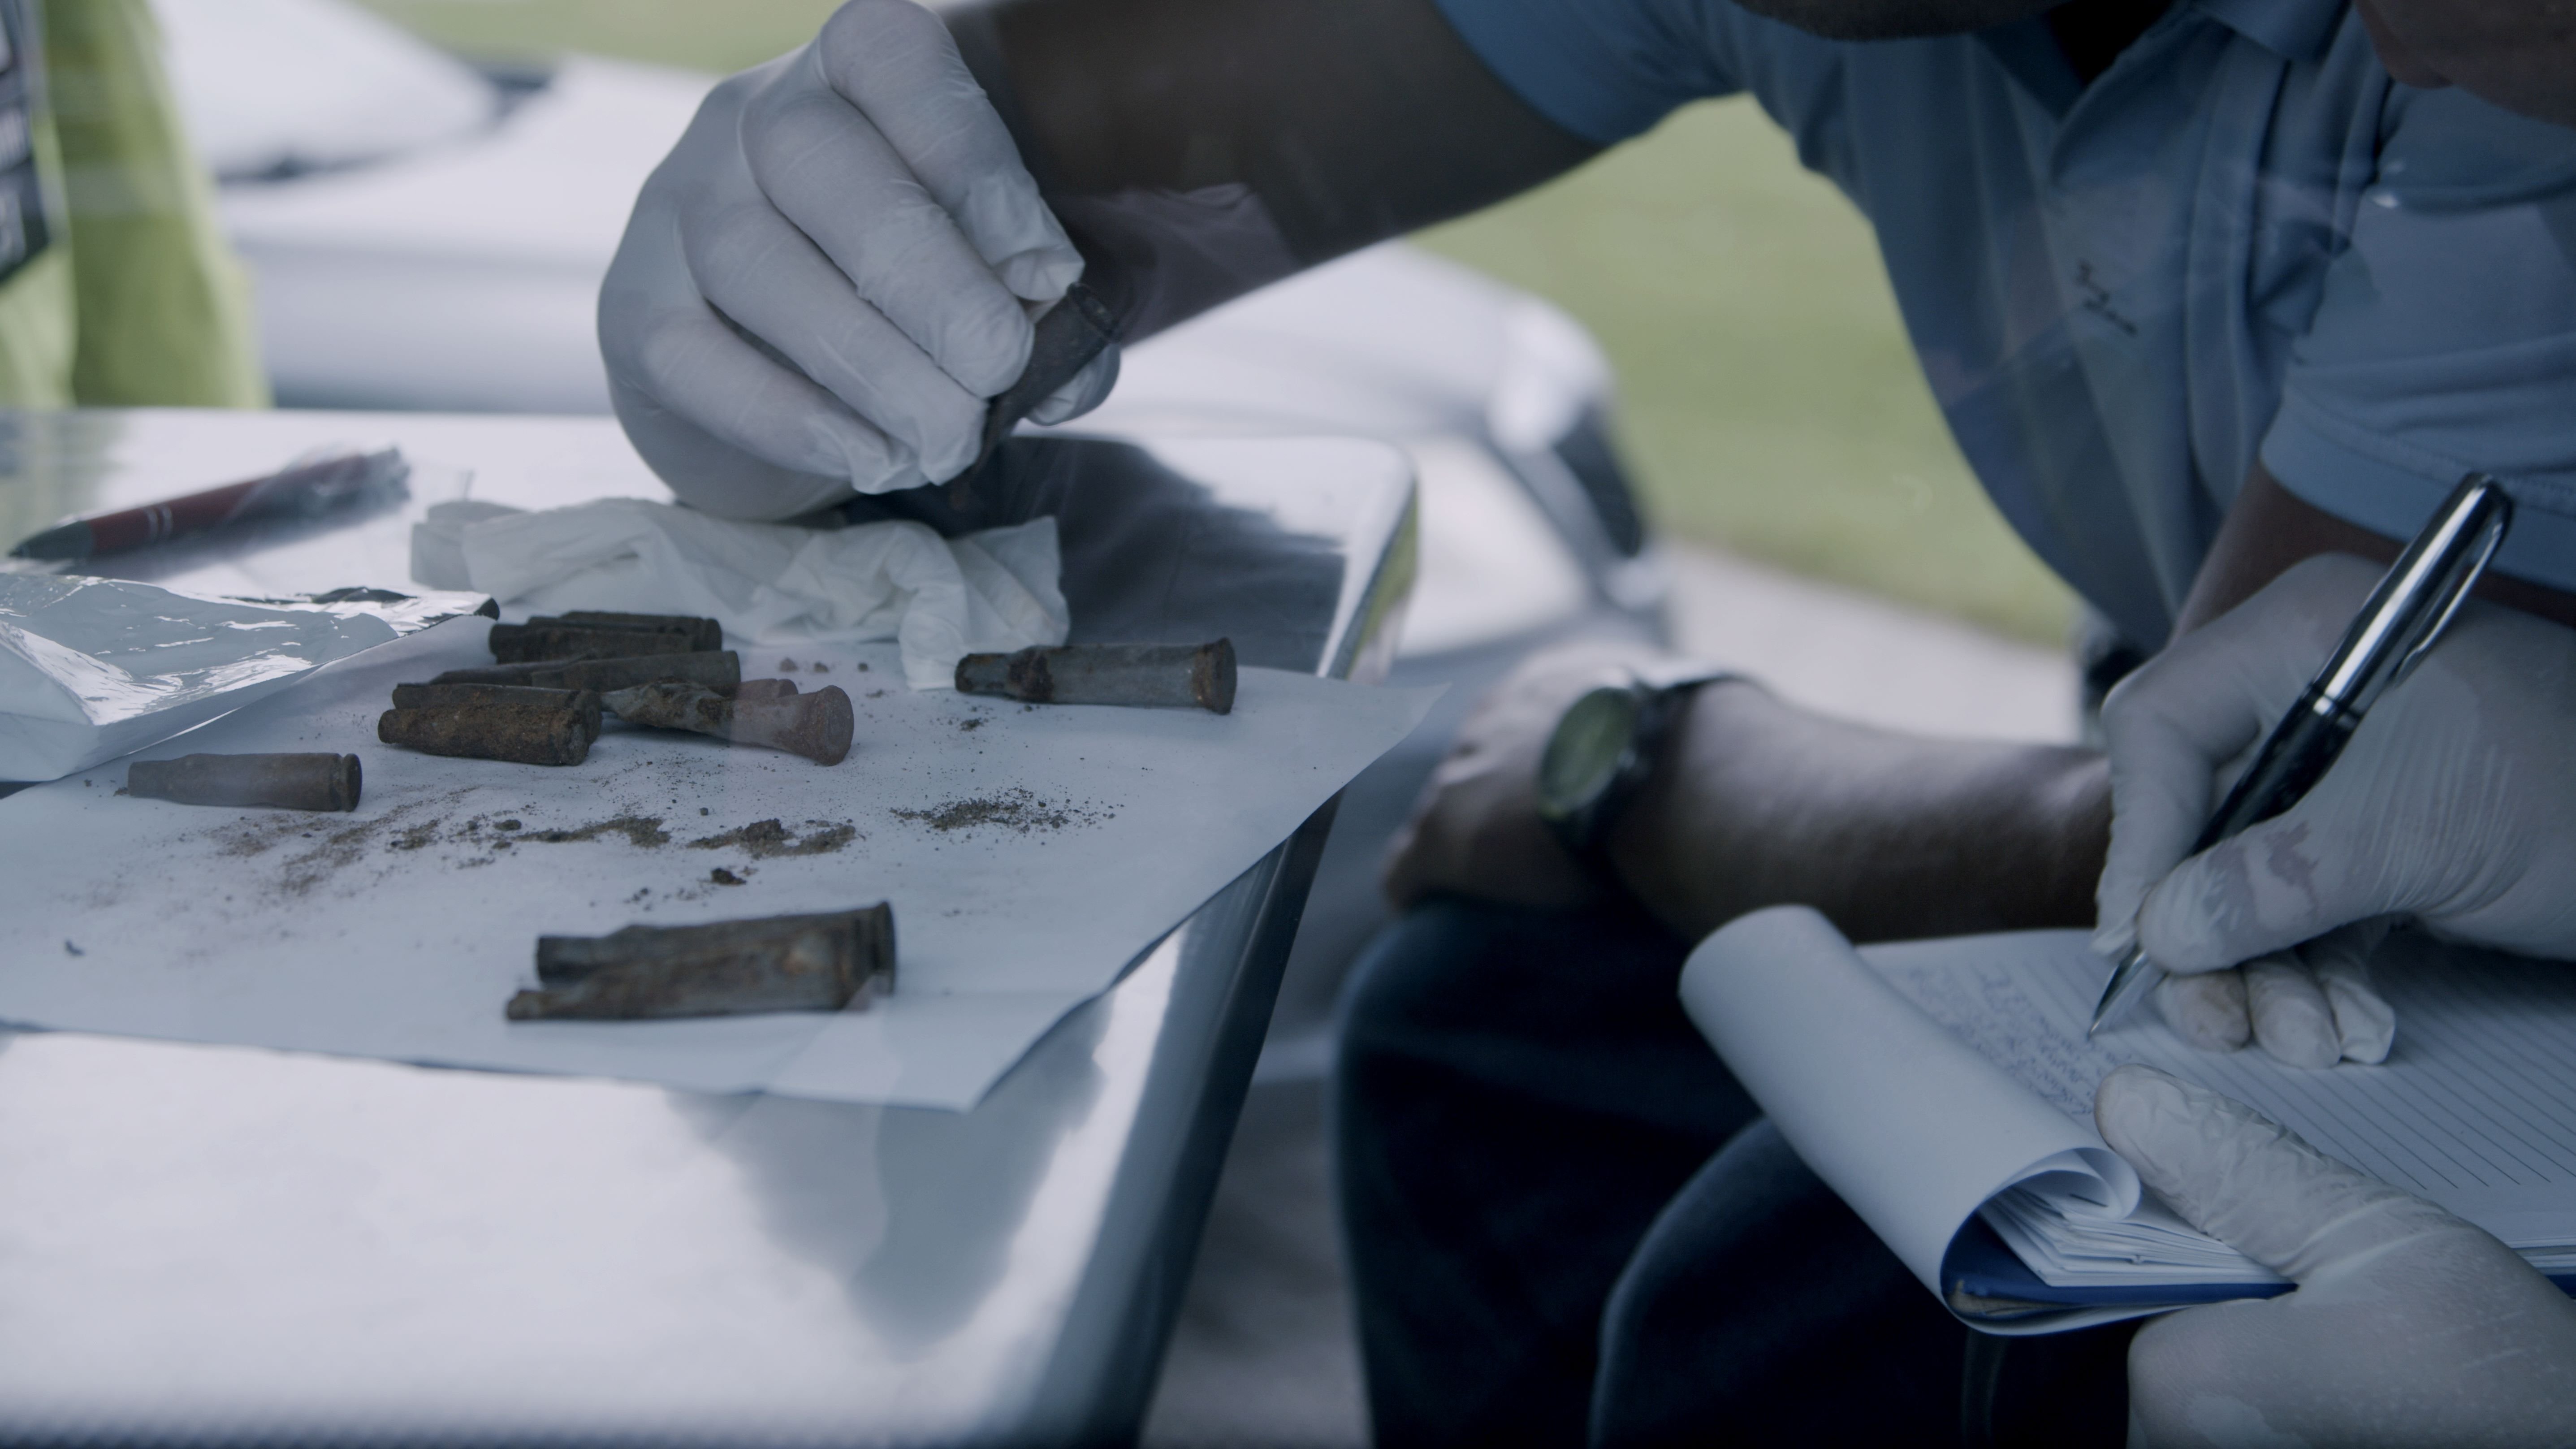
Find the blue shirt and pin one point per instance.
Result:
(2242, 240)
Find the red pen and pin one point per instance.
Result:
(302, 489)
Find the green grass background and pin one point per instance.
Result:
(1770, 403)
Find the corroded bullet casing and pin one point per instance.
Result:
(719, 670)
(285, 782)
(701, 633)
(521, 734)
(764, 689)
(817, 726)
(530, 643)
(1164, 675)
(823, 962)
(584, 702)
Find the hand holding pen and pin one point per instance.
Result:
(2408, 610)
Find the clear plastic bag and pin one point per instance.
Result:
(94, 668)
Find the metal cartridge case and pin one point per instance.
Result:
(719, 670)
(701, 633)
(584, 702)
(817, 726)
(822, 962)
(522, 734)
(1197, 676)
(285, 782)
(529, 643)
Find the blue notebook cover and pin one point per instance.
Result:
(1984, 1279)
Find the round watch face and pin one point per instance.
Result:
(1584, 754)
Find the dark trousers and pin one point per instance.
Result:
(1567, 1223)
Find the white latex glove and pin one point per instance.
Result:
(2455, 803)
(2408, 1326)
(830, 274)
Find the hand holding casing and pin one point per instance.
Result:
(830, 275)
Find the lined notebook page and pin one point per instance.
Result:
(2475, 1107)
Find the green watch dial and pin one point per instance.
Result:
(1585, 753)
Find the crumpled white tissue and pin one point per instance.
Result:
(938, 598)
(93, 668)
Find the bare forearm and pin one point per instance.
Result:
(1196, 149)
(1761, 803)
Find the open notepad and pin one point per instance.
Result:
(1945, 1090)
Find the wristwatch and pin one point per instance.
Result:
(1604, 749)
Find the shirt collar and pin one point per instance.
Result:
(2291, 29)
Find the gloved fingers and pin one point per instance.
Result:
(1089, 389)
(2365, 1023)
(2271, 887)
(710, 474)
(2172, 726)
(2290, 1014)
(828, 170)
(896, 62)
(765, 275)
(2163, 756)
(2249, 1182)
(759, 406)
(2206, 1010)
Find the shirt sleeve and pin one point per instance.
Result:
(2445, 340)
(1604, 69)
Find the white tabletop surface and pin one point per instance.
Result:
(222, 1243)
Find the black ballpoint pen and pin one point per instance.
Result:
(2414, 601)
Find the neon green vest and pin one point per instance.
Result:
(121, 292)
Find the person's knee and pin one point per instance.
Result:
(1418, 974)
(1760, 1308)
(1742, 1217)
(1573, 1010)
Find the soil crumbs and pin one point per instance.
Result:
(1013, 809)
(764, 839)
(643, 831)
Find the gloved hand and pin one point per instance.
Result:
(830, 274)
(2408, 1326)
(2455, 803)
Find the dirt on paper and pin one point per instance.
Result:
(1013, 809)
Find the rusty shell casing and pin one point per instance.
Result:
(764, 689)
(1199, 676)
(583, 702)
(671, 704)
(535, 643)
(817, 726)
(719, 670)
(701, 633)
(284, 782)
(521, 734)
(823, 962)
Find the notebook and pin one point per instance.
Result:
(1945, 1089)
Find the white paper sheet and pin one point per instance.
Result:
(1874, 1094)
(1030, 855)
(2471, 1109)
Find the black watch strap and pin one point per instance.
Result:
(1586, 833)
